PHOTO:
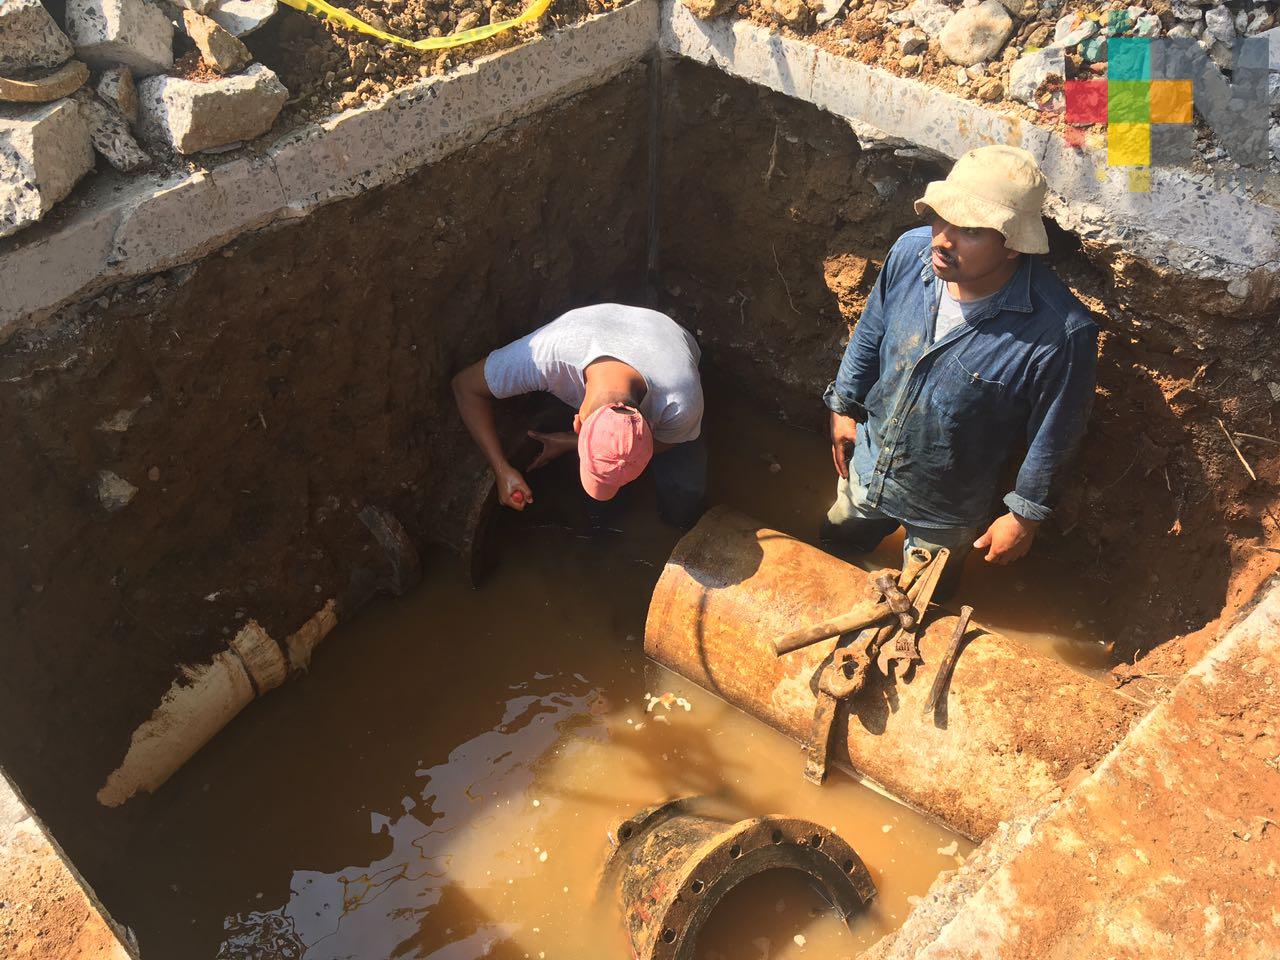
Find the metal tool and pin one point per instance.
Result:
(846, 673)
(892, 601)
(905, 644)
(948, 660)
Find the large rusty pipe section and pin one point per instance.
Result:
(1012, 726)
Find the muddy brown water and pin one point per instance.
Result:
(441, 784)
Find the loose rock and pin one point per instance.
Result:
(1094, 50)
(931, 16)
(793, 13)
(116, 89)
(218, 48)
(241, 17)
(109, 133)
(114, 492)
(976, 33)
(1147, 25)
(29, 39)
(1220, 54)
(1219, 24)
(912, 40)
(191, 116)
(130, 32)
(706, 9)
(54, 85)
(1039, 37)
(1073, 29)
(44, 150)
(1031, 70)
(828, 10)
(990, 90)
(1272, 37)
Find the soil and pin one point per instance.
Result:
(329, 68)
(769, 248)
(257, 400)
(864, 32)
(44, 913)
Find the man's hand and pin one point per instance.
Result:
(513, 492)
(1007, 539)
(844, 430)
(553, 445)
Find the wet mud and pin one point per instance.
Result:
(441, 783)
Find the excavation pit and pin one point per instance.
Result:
(203, 388)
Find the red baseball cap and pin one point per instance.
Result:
(614, 446)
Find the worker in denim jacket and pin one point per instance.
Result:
(969, 350)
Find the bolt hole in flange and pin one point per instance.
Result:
(676, 866)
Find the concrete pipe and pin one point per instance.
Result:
(1013, 728)
(194, 710)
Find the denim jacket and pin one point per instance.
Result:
(940, 421)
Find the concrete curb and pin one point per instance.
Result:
(157, 223)
(49, 910)
(1186, 222)
(1183, 764)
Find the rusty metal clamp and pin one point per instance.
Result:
(846, 673)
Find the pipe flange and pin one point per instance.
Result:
(671, 867)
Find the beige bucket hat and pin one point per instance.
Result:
(998, 187)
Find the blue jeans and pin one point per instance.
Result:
(851, 521)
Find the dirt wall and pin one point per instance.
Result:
(251, 404)
(774, 223)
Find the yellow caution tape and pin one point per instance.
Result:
(325, 11)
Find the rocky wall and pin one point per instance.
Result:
(192, 451)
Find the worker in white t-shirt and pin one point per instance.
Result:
(632, 376)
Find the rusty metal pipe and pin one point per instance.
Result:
(671, 865)
(1014, 727)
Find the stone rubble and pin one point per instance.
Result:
(975, 34)
(1031, 70)
(828, 10)
(241, 17)
(114, 492)
(117, 90)
(706, 9)
(132, 33)
(1030, 49)
(929, 15)
(913, 40)
(190, 116)
(218, 48)
(109, 133)
(44, 151)
(29, 38)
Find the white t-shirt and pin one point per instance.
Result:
(951, 312)
(553, 358)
